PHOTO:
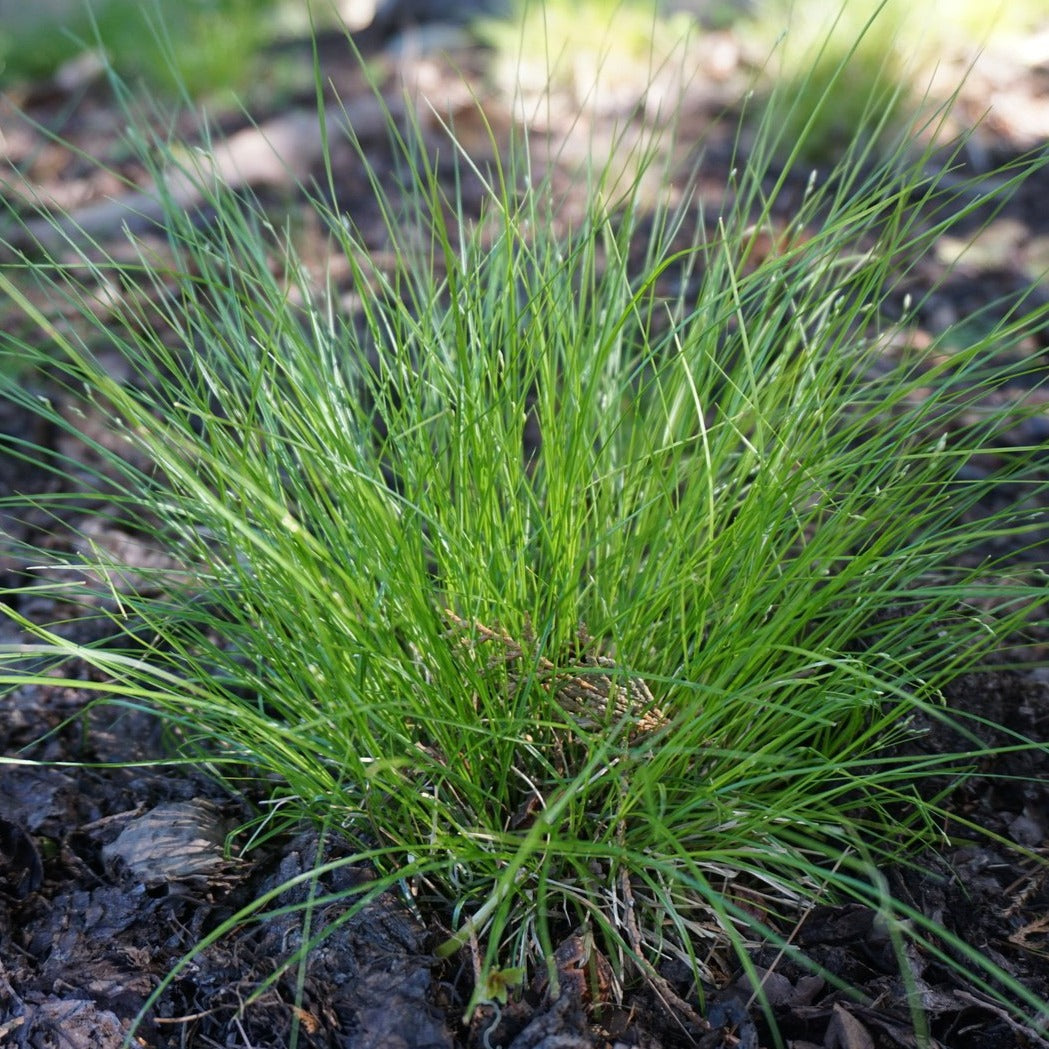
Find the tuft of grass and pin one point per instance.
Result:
(573, 577)
(840, 67)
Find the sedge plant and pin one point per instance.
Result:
(572, 577)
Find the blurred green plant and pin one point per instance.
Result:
(835, 70)
(185, 46)
(840, 67)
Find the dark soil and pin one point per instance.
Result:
(110, 875)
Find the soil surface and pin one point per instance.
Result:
(110, 875)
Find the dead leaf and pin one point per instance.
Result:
(846, 1032)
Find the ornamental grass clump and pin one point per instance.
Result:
(573, 577)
